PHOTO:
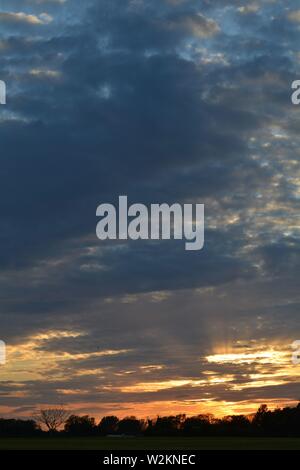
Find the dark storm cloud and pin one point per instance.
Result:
(76, 139)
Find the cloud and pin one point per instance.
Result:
(250, 8)
(162, 101)
(39, 2)
(196, 25)
(294, 16)
(44, 73)
(20, 17)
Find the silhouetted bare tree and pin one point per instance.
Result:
(52, 418)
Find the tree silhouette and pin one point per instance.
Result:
(52, 418)
(80, 425)
(198, 425)
(167, 425)
(282, 422)
(130, 426)
(18, 428)
(108, 425)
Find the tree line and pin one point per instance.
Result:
(281, 422)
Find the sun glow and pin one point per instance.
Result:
(236, 368)
(264, 357)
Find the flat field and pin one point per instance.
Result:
(153, 443)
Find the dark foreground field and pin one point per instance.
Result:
(163, 443)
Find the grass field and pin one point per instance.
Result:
(164, 443)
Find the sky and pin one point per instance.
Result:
(162, 101)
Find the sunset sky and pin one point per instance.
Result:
(163, 101)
